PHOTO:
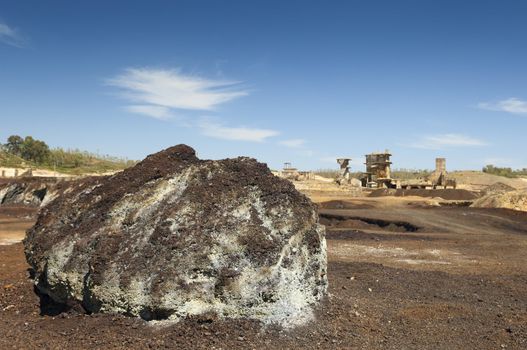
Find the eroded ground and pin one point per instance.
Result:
(402, 274)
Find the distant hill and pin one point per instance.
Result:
(9, 160)
(71, 162)
(478, 180)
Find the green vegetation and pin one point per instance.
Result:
(29, 152)
(507, 172)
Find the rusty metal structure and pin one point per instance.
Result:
(378, 171)
(291, 173)
(344, 174)
(439, 177)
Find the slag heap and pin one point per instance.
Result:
(176, 236)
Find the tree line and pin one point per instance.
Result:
(39, 153)
(507, 172)
(28, 148)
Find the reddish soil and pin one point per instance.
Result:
(457, 282)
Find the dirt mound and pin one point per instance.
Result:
(175, 237)
(498, 187)
(478, 181)
(343, 221)
(516, 200)
(446, 194)
(339, 204)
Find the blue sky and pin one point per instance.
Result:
(296, 81)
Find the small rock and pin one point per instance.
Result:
(8, 307)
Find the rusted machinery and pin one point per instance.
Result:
(438, 178)
(291, 173)
(378, 174)
(378, 171)
(344, 174)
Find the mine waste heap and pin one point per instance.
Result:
(176, 237)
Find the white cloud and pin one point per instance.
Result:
(293, 143)
(174, 90)
(10, 36)
(235, 133)
(158, 112)
(161, 94)
(511, 105)
(447, 140)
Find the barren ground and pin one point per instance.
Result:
(402, 276)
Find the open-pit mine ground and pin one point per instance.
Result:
(402, 275)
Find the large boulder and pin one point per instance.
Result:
(176, 236)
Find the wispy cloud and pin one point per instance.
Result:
(10, 36)
(220, 131)
(171, 89)
(511, 105)
(293, 143)
(158, 112)
(163, 93)
(447, 141)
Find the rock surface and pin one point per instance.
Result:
(176, 237)
(29, 191)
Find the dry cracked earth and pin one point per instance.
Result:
(402, 276)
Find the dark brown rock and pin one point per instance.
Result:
(176, 236)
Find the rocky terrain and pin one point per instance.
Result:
(408, 272)
(175, 237)
(401, 276)
(27, 191)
